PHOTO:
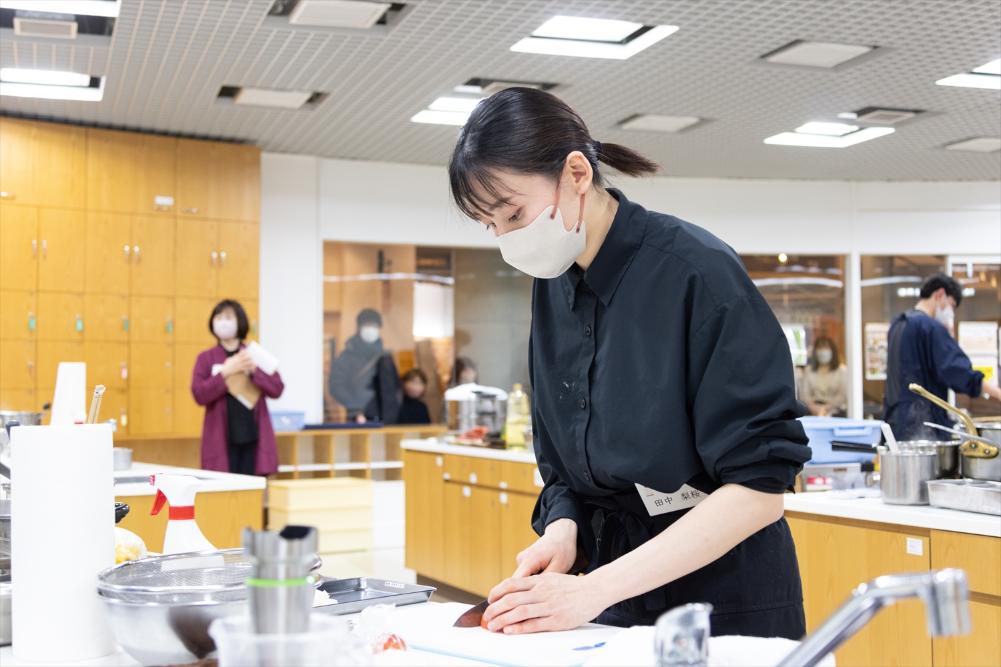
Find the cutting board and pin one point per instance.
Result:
(428, 627)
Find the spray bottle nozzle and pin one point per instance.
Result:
(158, 503)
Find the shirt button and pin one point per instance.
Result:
(587, 331)
(587, 476)
(582, 404)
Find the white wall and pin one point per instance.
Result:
(308, 200)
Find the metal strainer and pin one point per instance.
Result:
(201, 577)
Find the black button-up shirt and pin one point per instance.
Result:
(661, 365)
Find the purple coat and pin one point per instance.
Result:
(210, 390)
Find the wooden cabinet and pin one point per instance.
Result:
(150, 411)
(60, 316)
(18, 247)
(192, 320)
(115, 405)
(21, 400)
(50, 354)
(151, 365)
(107, 363)
(216, 180)
(980, 648)
(425, 548)
(107, 317)
(516, 531)
(17, 364)
(195, 162)
(239, 252)
(197, 258)
(152, 319)
(152, 255)
(62, 234)
(43, 163)
(188, 415)
(18, 319)
(108, 252)
(129, 172)
(17, 160)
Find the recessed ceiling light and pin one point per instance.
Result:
(828, 129)
(107, 8)
(45, 77)
(592, 38)
(881, 115)
(440, 117)
(47, 92)
(338, 13)
(582, 28)
(486, 87)
(826, 141)
(977, 145)
(649, 122)
(993, 67)
(971, 80)
(461, 104)
(827, 55)
(264, 97)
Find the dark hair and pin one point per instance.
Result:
(461, 364)
(242, 323)
(527, 131)
(939, 281)
(369, 316)
(825, 341)
(414, 374)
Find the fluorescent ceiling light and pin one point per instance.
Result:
(971, 80)
(977, 145)
(45, 77)
(581, 48)
(263, 97)
(48, 92)
(581, 28)
(826, 141)
(993, 67)
(440, 117)
(816, 54)
(658, 123)
(460, 104)
(338, 13)
(829, 129)
(77, 7)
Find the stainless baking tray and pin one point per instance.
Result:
(353, 595)
(970, 495)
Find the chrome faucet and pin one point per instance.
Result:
(944, 592)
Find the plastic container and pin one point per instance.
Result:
(288, 420)
(328, 642)
(519, 418)
(822, 430)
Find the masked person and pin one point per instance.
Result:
(363, 378)
(664, 413)
(921, 349)
(236, 436)
(824, 386)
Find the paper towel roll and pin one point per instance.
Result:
(62, 535)
(69, 403)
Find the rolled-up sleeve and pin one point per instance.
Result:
(952, 365)
(742, 398)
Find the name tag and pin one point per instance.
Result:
(657, 502)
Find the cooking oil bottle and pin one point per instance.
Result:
(519, 418)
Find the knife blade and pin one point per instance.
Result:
(472, 617)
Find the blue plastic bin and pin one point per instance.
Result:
(821, 430)
(287, 420)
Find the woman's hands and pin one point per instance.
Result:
(555, 551)
(543, 603)
(238, 363)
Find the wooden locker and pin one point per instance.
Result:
(107, 363)
(61, 258)
(188, 415)
(17, 364)
(113, 170)
(106, 317)
(153, 255)
(515, 529)
(253, 318)
(18, 247)
(191, 320)
(239, 253)
(50, 354)
(197, 259)
(151, 365)
(150, 411)
(18, 315)
(17, 160)
(157, 189)
(196, 175)
(20, 400)
(60, 316)
(152, 319)
(60, 165)
(115, 405)
(235, 193)
(108, 252)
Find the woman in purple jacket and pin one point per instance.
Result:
(234, 438)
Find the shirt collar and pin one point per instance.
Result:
(615, 255)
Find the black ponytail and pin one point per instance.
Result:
(528, 131)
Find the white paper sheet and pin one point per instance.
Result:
(69, 404)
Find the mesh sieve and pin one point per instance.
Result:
(199, 578)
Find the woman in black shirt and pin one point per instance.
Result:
(665, 411)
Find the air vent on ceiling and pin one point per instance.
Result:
(271, 98)
(486, 86)
(29, 27)
(823, 55)
(882, 115)
(352, 15)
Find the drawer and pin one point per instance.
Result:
(301, 494)
(473, 470)
(521, 477)
(339, 541)
(351, 518)
(977, 554)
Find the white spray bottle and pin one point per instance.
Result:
(183, 534)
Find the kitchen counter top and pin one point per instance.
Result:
(844, 505)
(436, 446)
(127, 482)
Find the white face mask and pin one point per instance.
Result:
(224, 328)
(824, 356)
(544, 248)
(369, 334)
(946, 316)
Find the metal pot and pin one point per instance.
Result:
(978, 460)
(122, 458)
(903, 476)
(22, 418)
(947, 452)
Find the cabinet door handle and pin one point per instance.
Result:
(126, 249)
(222, 257)
(193, 210)
(125, 371)
(45, 248)
(135, 251)
(7, 195)
(34, 248)
(215, 257)
(31, 367)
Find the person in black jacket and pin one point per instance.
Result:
(413, 410)
(665, 416)
(353, 373)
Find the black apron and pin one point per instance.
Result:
(754, 588)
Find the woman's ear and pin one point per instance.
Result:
(581, 173)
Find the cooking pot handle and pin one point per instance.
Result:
(843, 446)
